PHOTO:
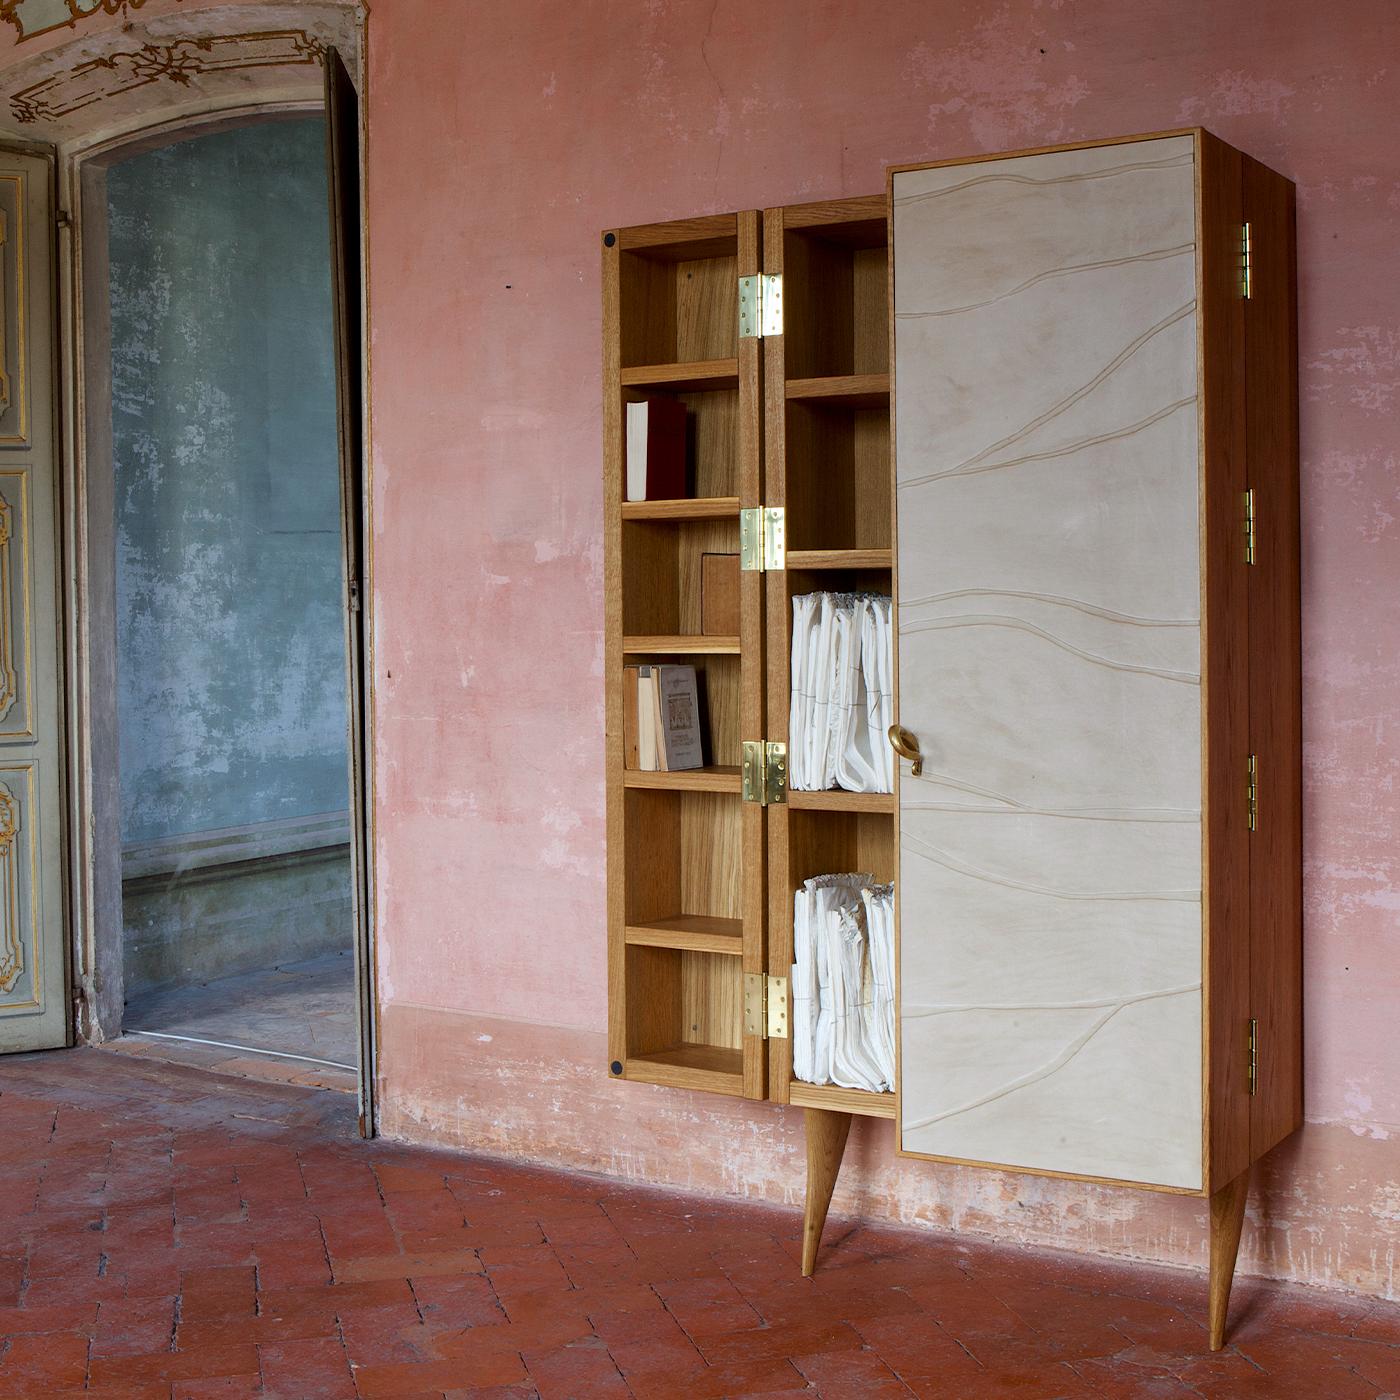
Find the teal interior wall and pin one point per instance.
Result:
(230, 650)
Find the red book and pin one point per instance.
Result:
(656, 450)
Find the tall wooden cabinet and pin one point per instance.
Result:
(1047, 401)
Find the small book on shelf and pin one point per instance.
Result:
(656, 450)
(661, 719)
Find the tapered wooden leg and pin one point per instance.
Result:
(826, 1141)
(1226, 1221)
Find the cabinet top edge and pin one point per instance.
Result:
(673, 233)
(1196, 132)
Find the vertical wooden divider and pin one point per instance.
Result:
(752, 708)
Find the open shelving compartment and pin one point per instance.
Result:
(828, 465)
(684, 937)
(685, 853)
(827, 382)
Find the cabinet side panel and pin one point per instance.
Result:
(1049, 661)
(1224, 651)
(1271, 355)
(612, 650)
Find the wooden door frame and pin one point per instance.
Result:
(89, 642)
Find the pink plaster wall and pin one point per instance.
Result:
(550, 121)
(502, 139)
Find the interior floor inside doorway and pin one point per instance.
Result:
(294, 1023)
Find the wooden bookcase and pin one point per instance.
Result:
(827, 464)
(804, 419)
(685, 854)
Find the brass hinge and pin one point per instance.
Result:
(765, 1006)
(1253, 1056)
(1250, 527)
(1252, 793)
(1246, 263)
(763, 538)
(763, 775)
(760, 305)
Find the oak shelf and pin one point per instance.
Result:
(691, 933)
(840, 559)
(715, 778)
(833, 1097)
(693, 375)
(702, 508)
(837, 800)
(681, 646)
(715, 1068)
(842, 390)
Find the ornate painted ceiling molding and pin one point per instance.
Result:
(163, 67)
(181, 62)
(33, 17)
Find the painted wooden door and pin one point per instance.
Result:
(1049, 661)
(34, 1012)
(343, 185)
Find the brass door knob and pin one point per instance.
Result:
(907, 746)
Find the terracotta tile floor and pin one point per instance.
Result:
(169, 1233)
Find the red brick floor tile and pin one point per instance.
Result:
(771, 1343)
(582, 1369)
(67, 1317)
(209, 1362)
(452, 1301)
(11, 1280)
(133, 1326)
(69, 1290)
(213, 1293)
(398, 1265)
(620, 1329)
(408, 1378)
(326, 1302)
(918, 1347)
(851, 1373)
(55, 1360)
(491, 1392)
(394, 1178)
(313, 1367)
(201, 1336)
(218, 1388)
(376, 1336)
(708, 1307)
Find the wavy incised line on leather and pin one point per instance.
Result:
(938, 624)
(1185, 158)
(1127, 815)
(917, 1011)
(1052, 1066)
(1060, 600)
(972, 467)
(1152, 255)
(1083, 391)
(915, 846)
(1016, 807)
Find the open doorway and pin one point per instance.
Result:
(220, 728)
(236, 880)
(209, 305)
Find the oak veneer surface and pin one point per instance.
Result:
(1049, 661)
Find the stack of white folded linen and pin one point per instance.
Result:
(843, 982)
(842, 693)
